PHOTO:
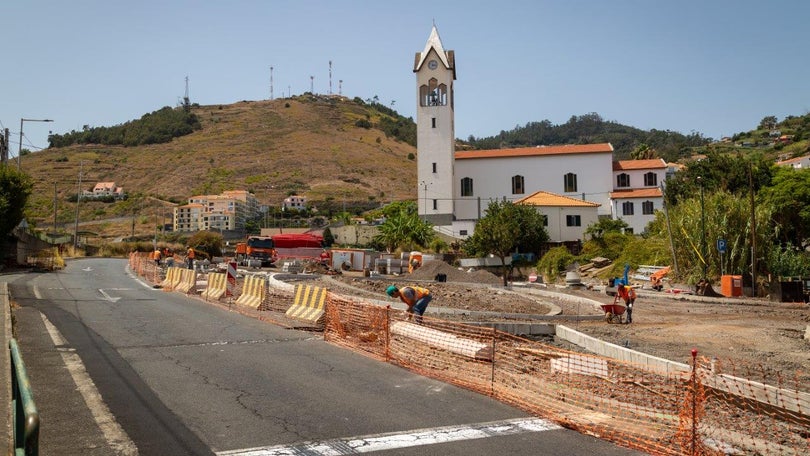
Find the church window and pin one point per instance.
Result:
(623, 180)
(570, 182)
(467, 186)
(650, 179)
(517, 185)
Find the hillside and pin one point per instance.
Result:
(306, 145)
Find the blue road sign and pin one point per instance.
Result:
(721, 245)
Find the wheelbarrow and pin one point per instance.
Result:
(613, 312)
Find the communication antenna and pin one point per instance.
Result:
(271, 82)
(330, 77)
(312, 85)
(186, 102)
(340, 87)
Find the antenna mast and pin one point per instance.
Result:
(340, 87)
(186, 102)
(271, 82)
(330, 77)
(312, 85)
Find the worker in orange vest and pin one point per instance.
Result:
(190, 257)
(627, 294)
(416, 298)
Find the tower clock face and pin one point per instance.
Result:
(433, 64)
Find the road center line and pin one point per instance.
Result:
(390, 441)
(118, 440)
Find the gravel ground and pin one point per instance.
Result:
(748, 333)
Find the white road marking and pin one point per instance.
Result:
(37, 294)
(380, 442)
(136, 278)
(108, 297)
(118, 440)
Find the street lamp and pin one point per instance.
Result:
(702, 227)
(19, 151)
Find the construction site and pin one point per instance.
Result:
(691, 375)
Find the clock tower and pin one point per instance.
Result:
(435, 71)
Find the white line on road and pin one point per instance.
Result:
(118, 440)
(380, 442)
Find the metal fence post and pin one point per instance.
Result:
(26, 417)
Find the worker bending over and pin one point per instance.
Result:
(416, 298)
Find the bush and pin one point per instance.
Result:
(554, 262)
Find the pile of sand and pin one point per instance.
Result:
(430, 269)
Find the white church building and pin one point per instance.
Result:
(577, 184)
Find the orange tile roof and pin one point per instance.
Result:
(654, 192)
(626, 165)
(548, 199)
(535, 151)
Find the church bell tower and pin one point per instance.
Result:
(435, 71)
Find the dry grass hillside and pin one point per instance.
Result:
(306, 145)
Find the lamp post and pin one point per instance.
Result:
(702, 227)
(425, 185)
(19, 151)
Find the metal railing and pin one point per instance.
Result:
(25, 415)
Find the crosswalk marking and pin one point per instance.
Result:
(418, 437)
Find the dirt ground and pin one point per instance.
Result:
(768, 337)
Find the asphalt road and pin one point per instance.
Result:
(120, 368)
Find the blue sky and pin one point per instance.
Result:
(716, 67)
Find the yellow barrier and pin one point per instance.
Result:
(308, 304)
(253, 292)
(216, 287)
(188, 280)
(172, 275)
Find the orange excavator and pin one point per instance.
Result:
(656, 278)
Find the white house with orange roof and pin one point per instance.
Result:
(796, 163)
(637, 191)
(105, 189)
(566, 218)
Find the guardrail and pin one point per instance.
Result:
(25, 416)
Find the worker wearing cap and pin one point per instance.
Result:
(627, 293)
(416, 298)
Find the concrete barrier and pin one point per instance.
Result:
(253, 292)
(216, 286)
(188, 280)
(446, 341)
(309, 304)
(172, 277)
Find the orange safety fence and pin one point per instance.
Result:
(146, 267)
(667, 413)
(714, 408)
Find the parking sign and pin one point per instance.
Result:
(721, 245)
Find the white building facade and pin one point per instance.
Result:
(637, 193)
(455, 188)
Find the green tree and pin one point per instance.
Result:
(788, 198)
(403, 228)
(504, 229)
(328, 237)
(15, 188)
(208, 242)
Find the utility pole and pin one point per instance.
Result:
(54, 208)
(78, 201)
(753, 234)
(271, 83)
(312, 85)
(4, 148)
(330, 77)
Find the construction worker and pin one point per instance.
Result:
(627, 294)
(190, 257)
(156, 256)
(416, 298)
